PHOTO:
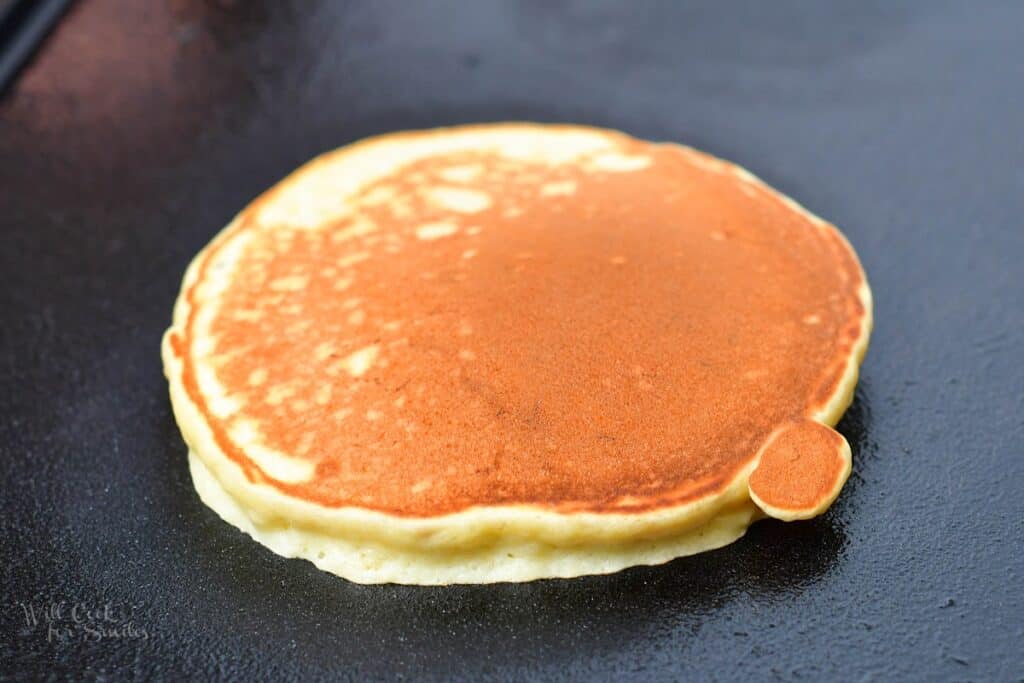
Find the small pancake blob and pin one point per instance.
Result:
(801, 470)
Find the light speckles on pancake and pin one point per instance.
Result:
(481, 328)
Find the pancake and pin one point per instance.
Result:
(512, 351)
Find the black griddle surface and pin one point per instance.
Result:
(142, 127)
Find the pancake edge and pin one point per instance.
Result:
(482, 544)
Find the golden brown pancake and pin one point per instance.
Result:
(504, 352)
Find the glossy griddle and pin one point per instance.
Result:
(142, 127)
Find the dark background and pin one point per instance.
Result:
(141, 127)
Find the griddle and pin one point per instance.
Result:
(23, 26)
(139, 130)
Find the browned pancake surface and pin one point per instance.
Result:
(575, 339)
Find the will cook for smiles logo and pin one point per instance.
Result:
(68, 621)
